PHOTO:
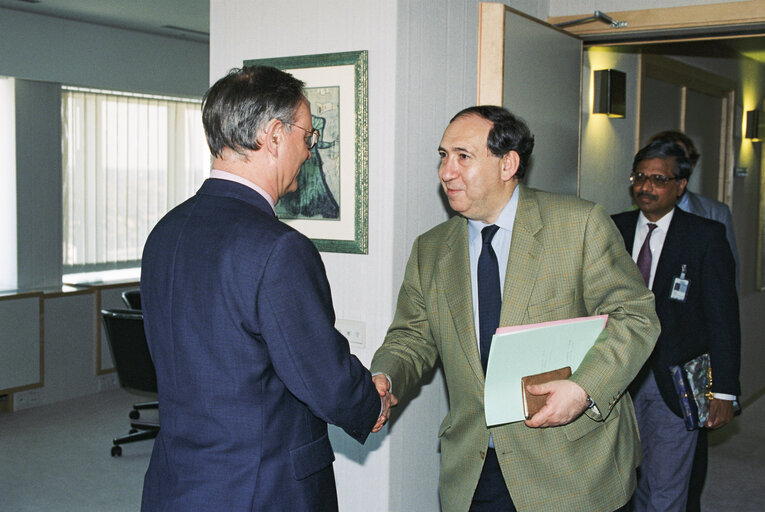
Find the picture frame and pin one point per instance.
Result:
(331, 204)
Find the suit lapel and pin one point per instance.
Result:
(628, 230)
(668, 266)
(523, 261)
(456, 259)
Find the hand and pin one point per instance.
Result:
(388, 400)
(720, 413)
(566, 401)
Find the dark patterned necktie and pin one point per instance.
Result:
(644, 256)
(489, 293)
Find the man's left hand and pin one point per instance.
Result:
(566, 401)
(720, 413)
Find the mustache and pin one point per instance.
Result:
(646, 194)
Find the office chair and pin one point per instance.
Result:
(132, 298)
(130, 352)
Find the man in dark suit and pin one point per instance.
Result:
(239, 319)
(696, 203)
(687, 262)
(709, 209)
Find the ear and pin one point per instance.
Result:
(681, 184)
(509, 163)
(272, 137)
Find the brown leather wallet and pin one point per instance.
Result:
(532, 403)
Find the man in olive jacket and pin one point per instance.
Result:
(559, 257)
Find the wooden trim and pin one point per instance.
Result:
(726, 14)
(97, 290)
(727, 159)
(760, 222)
(491, 53)
(684, 75)
(19, 295)
(65, 291)
(131, 283)
(97, 331)
(42, 341)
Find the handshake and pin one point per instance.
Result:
(388, 400)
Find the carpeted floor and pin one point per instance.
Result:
(57, 458)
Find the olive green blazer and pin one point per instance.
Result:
(566, 260)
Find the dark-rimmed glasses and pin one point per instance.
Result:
(312, 138)
(657, 180)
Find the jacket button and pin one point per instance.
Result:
(483, 454)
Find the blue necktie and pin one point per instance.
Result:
(489, 293)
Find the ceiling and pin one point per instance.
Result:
(190, 19)
(184, 19)
(752, 47)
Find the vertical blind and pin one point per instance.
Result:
(127, 160)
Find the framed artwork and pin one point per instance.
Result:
(331, 203)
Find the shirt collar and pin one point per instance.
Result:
(224, 175)
(662, 223)
(506, 219)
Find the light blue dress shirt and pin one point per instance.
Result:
(501, 245)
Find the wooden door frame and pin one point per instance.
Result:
(491, 50)
(660, 24)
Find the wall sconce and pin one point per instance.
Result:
(753, 131)
(610, 86)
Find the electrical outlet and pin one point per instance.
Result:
(26, 399)
(108, 382)
(353, 330)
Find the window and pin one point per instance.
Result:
(127, 160)
(7, 185)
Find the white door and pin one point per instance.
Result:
(536, 74)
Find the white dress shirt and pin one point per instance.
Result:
(657, 239)
(224, 175)
(656, 244)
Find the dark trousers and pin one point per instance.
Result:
(491, 493)
(698, 473)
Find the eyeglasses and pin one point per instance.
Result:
(657, 180)
(312, 138)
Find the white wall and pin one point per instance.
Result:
(362, 285)
(422, 70)
(608, 144)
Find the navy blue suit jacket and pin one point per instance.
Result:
(250, 368)
(708, 320)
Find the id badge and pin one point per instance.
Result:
(680, 287)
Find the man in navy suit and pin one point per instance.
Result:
(240, 324)
(687, 262)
